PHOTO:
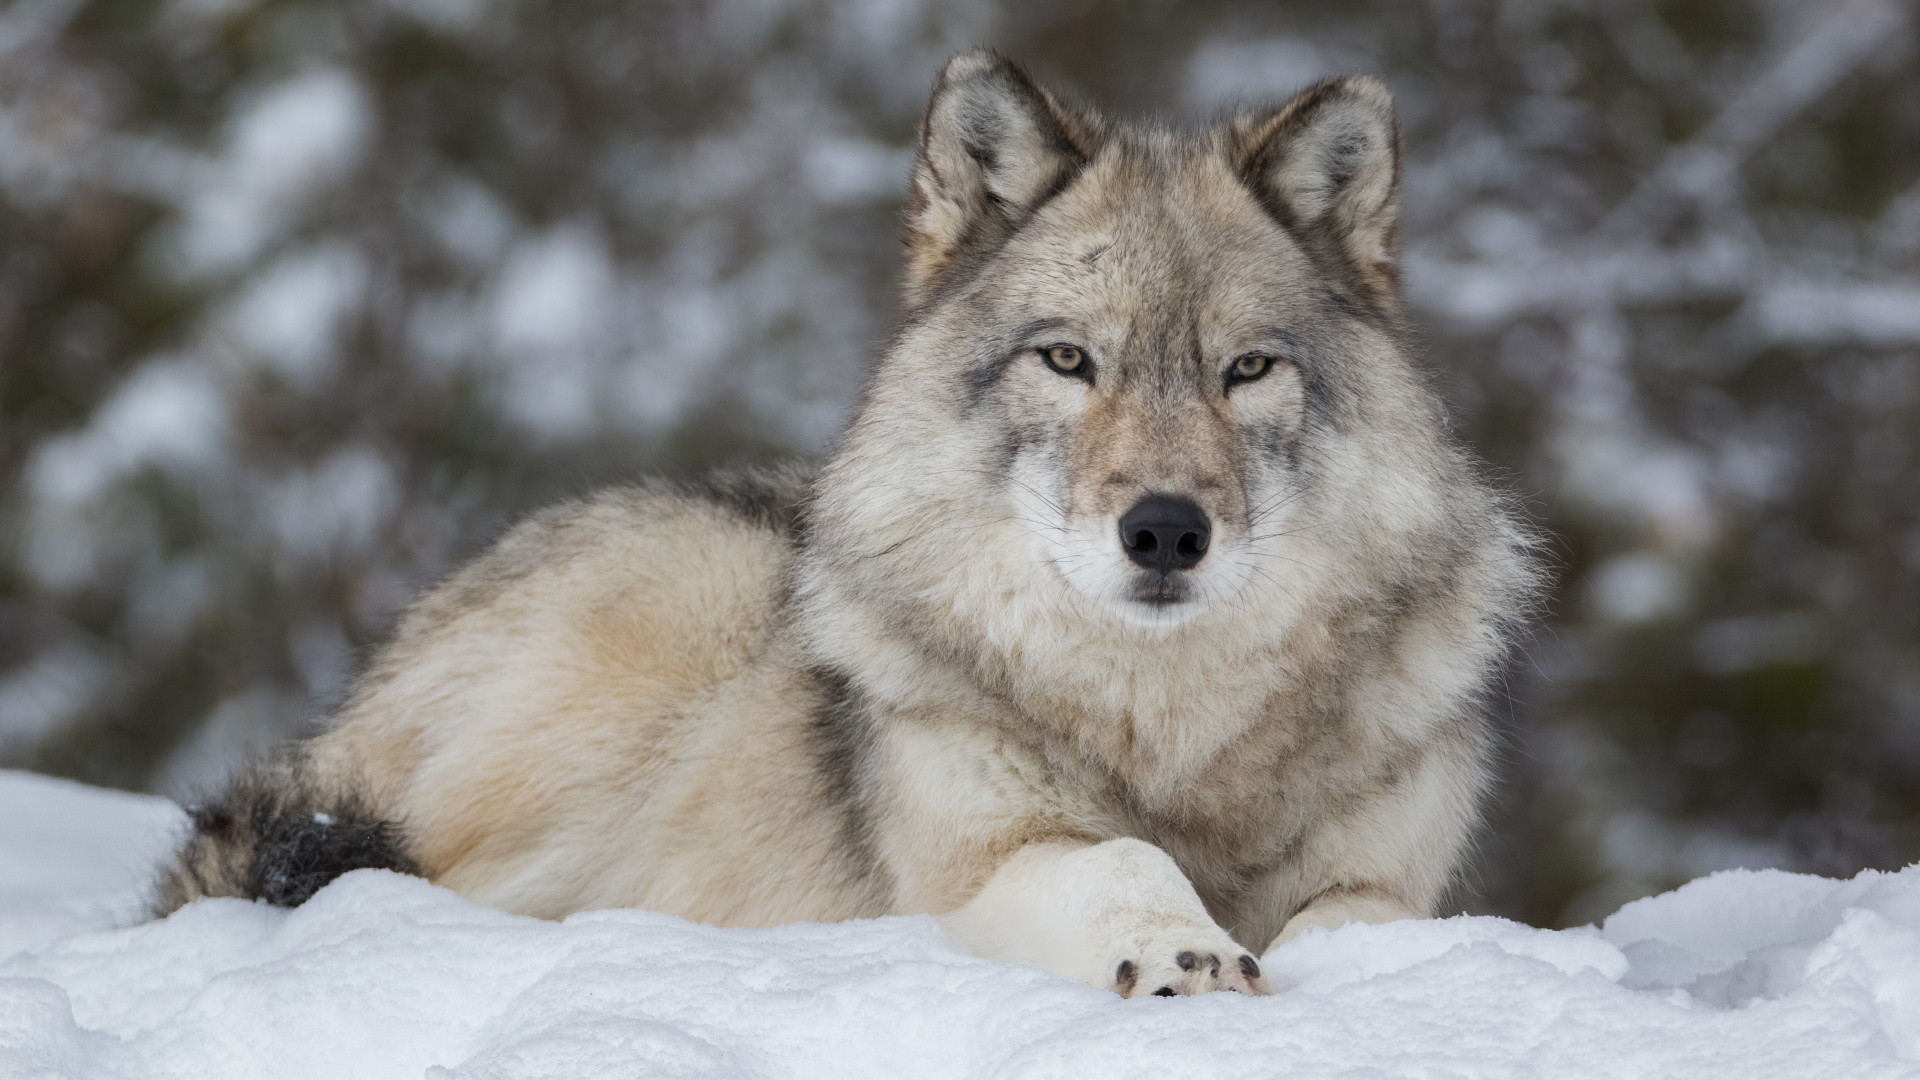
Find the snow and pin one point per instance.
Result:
(290, 142)
(1637, 587)
(290, 316)
(40, 696)
(1233, 71)
(337, 508)
(1747, 974)
(73, 859)
(167, 412)
(554, 292)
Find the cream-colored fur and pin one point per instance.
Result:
(930, 678)
(612, 727)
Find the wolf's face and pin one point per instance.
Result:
(1134, 364)
(1147, 353)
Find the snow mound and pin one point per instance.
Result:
(1743, 974)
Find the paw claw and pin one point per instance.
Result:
(1189, 971)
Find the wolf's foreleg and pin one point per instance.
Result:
(1338, 907)
(1117, 914)
(1389, 856)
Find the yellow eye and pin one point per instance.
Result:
(1065, 359)
(1251, 367)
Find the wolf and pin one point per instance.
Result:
(1143, 615)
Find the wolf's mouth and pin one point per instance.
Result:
(1161, 589)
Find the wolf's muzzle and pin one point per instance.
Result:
(1165, 534)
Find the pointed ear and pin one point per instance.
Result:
(1327, 164)
(993, 147)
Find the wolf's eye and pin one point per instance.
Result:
(1065, 359)
(1248, 368)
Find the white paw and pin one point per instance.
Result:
(1117, 914)
(1194, 963)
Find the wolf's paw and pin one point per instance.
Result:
(1173, 971)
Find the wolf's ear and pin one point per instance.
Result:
(993, 147)
(1327, 164)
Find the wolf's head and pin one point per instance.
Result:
(1148, 382)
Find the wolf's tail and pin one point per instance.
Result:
(277, 835)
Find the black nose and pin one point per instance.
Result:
(1165, 534)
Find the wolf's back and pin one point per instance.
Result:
(509, 721)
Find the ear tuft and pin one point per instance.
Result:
(994, 146)
(1327, 164)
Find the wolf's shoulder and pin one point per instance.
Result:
(772, 496)
(662, 530)
(758, 498)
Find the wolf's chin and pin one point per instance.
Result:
(1158, 616)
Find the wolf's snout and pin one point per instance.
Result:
(1165, 534)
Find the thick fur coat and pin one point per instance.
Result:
(1144, 613)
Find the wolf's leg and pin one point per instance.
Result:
(1118, 915)
(1337, 907)
(1388, 856)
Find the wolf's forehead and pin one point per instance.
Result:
(1139, 228)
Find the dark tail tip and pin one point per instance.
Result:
(268, 837)
(296, 853)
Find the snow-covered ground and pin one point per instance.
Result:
(1743, 974)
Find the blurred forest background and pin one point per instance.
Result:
(303, 300)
